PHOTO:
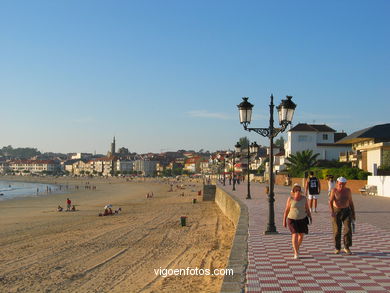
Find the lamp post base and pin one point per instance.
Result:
(271, 232)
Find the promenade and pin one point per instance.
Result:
(271, 265)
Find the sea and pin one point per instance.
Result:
(16, 189)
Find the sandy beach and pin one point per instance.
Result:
(43, 250)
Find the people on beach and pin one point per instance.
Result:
(297, 216)
(73, 208)
(68, 204)
(343, 213)
(108, 211)
(312, 190)
(59, 208)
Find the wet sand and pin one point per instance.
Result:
(43, 250)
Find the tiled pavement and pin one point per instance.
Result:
(271, 266)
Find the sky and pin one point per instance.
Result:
(168, 75)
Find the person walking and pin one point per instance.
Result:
(343, 213)
(312, 190)
(297, 216)
(331, 184)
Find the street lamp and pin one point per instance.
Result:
(220, 159)
(252, 149)
(285, 113)
(237, 150)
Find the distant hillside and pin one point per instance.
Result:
(9, 151)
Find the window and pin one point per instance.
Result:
(325, 137)
(302, 138)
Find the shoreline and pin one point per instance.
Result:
(37, 189)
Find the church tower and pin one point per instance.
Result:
(113, 147)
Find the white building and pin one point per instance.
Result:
(33, 166)
(123, 166)
(148, 168)
(102, 166)
(371, 147)
(80, 156)
(4, 168)
(319, 138)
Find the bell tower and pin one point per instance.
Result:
(113, 147)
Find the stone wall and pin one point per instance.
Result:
(237, 212)
(354, 185)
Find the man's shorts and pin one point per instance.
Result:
(313, 196)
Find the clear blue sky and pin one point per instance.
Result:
(167, 75)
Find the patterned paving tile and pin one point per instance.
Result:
(272, 267)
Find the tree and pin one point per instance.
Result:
(280, 143)
(300, 162)
(19, 152)
(385, 160)
(244, 142)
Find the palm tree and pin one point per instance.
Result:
(301, 162)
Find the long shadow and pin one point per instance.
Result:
(373, 254)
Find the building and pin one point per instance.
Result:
(192, 165)
(102, 166)
(79, 167)
(76, 156)
(370, 147)
(33, 166)
(124, 166)
(111, 152)
(4, 167)
(145, 167)
(319, 138)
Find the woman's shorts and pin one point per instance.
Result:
(298, 226)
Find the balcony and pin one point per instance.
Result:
(349, 157)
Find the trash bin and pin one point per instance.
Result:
(183, 220)
(194, 200)
(200, 192)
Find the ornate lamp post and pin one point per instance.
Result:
(237, 150)
(285, 113)
(222, 159)
(252, 149)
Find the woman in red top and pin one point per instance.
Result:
(68, 204)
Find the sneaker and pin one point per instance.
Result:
(296, 256)
(347, 251)
(336, 251)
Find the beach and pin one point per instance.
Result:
(43, 250)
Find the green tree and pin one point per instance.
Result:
(385, 160)
(167, 173)
(244, 142)
(19, 152)
(300, 162)
(280, 142)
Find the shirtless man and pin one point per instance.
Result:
(343, 213)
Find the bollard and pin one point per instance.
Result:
(183, 220)
(194, 200)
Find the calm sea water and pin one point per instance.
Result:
(12, 189)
